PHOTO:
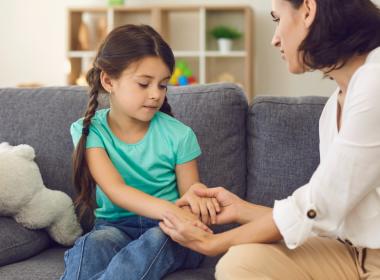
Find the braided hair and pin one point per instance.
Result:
(123, 46)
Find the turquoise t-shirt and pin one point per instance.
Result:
(148, 165)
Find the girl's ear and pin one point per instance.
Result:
(310, 10)
(106, 81)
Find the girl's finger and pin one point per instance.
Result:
(204, 211)
(195, 207)
(216, 205)
(211, 210)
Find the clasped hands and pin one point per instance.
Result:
(210, 206)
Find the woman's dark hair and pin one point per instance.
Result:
(341, 30)
(123, 46)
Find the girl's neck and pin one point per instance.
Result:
(126, 127)
(343, 75)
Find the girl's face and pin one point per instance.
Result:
(292, 28)
(140, 90)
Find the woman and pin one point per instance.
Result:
(330, 227)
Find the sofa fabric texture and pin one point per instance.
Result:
(261, 152)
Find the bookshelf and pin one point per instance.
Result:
(184, 27)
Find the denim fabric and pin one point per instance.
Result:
(131, 248)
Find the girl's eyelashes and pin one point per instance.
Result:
(162, 86)
(143, 85)
(276, 19)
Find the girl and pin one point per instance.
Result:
(342, 198)
(140, 158)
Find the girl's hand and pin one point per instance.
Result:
(231, 204)
(204, 208)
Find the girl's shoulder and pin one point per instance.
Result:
(98, 119)
(171, 123)
(97, 122)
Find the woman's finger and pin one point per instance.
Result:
(202, 226)
(181, 202)
(211, 192)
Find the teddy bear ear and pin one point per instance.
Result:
(24, 151)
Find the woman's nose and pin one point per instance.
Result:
(276, 42)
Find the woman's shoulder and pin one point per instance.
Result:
(366, 78)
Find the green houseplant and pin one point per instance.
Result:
(225, 32)
(225, 35)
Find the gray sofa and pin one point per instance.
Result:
(261, 152)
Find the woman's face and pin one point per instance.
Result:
(292, 28)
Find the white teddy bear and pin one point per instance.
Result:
(24, 196)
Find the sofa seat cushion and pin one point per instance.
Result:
(18, 243)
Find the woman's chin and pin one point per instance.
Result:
(295, 69)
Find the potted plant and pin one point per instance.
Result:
(225, 35)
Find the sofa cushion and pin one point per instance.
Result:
(47, 265)
(18, 243)
(217, 114)
(283, 145)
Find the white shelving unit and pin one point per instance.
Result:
(185, 28)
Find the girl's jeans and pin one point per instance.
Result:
(132, 248)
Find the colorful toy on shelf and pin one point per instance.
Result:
(182, 75)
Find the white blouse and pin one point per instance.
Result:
(342, 198)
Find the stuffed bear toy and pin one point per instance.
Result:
(24, 197)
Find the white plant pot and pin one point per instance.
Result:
(225, 45)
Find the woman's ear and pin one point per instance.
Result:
(106, 81)
(310, 8)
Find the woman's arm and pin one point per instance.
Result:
(260, 230)
(127, 197)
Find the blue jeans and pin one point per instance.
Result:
(132, 248)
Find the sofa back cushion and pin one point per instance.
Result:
(217, 113)
(41, 118)
(283, 145)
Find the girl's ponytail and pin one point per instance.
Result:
(83, 181)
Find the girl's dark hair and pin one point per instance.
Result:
(341, 30)
(123, 46)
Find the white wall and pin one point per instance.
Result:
(33, 46)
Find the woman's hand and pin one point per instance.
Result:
(204, 208)
(189, 234)
(185, 214)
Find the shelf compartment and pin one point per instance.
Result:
(230, 18)
(174, 24)
(87, 28)
(225, 69)
(132, 16)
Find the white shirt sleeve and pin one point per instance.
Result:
(348, 172)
